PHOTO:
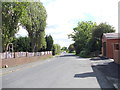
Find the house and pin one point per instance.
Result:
(111, 46)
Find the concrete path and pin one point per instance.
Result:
(64, 71)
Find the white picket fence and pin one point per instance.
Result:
(7, 55)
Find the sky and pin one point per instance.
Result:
(64, 15)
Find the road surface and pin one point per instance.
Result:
(64, 71)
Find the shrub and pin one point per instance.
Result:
(56, 49)
(84, 54)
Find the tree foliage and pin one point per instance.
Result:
(82, 34)
(100, 29)
(49, 42)
(11, 14)
(35, 22)
(22, 44)
(64, 49)
(31, 15)
(95, 43)
(56, 49)
(88, 37)
(71, 48)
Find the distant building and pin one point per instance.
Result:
(111, 46)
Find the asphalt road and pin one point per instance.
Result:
(65, 71)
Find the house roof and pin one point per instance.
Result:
(112, 35)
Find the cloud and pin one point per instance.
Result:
(63, 15)
(52, 26)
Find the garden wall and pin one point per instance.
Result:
(22, 58)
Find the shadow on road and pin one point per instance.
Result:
(84, 75)
(111, 70)
(100, 72)
(102, 81)
(98, 58)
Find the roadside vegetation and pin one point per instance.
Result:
(88, 37)
(71, 48)
(56, 49)
(64, 49)
(32, 17)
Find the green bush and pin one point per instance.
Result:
(56, 49)
(84, 54)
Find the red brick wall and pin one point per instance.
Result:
(117, 56)
(22, 60)
(109, 47)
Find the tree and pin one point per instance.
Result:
(100, 29)
(11, 14)
(64, 49)
(22, 44)
(88, 37)
(71, 48)
(56, 49)
(35, 22)
(49, 42)
(97, 33)
(82, 34)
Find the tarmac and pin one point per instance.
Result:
(106, 66)
(19, 67)
(109, 69)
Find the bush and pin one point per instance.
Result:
(56, 49)
(71, 51)
(84, 54)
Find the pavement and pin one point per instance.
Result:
(109, 69)
(63, 71)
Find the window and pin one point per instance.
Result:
(116, 46)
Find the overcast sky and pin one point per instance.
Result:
(63, 16)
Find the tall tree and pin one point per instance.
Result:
(82, 34)
(11, 14)
(102, 28)
(49, 42)
(97, 33)
(35, 22)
